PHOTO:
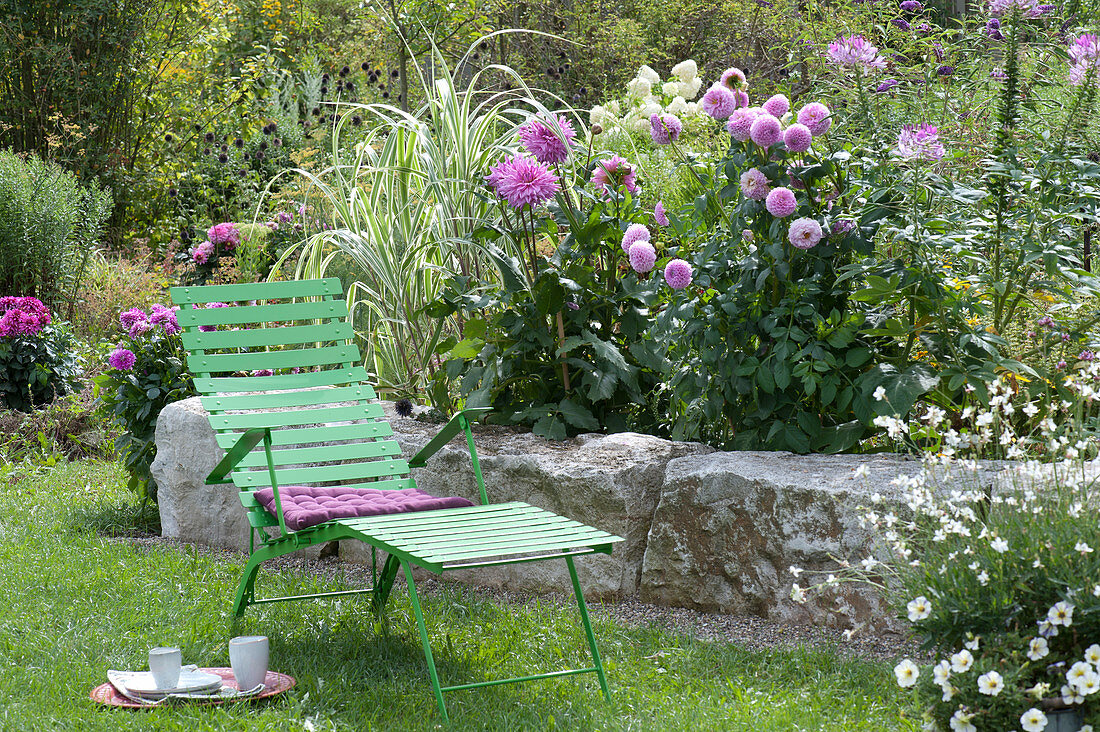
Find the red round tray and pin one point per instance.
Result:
(275, 684)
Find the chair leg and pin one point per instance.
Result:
(246, 592)
(383, 584)
(424, 641)
(588, 628)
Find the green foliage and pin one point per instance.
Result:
(66, 429)
(49, 226)
(36, 369)
(132, 398)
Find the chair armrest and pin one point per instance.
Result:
(241, 447)
(450, 430)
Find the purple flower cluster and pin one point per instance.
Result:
(203, 252)
(523, 181)
(225, 234)
(633, 234)
(548, 139)
(853, 51)
(886, 85)
(642, 257)
(211, 306)
(659, 214)
(993, 29)
(901, 23)
(817, 117)
(911, 6)
(1084, 57)
(122, 359)
(920, 142)
(136, 322)
(22, 316)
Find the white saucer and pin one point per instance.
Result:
(191, 682)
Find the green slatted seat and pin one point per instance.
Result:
(315, 422)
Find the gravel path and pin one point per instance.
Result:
(747, 631)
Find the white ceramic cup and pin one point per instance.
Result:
(248, 655)
(165, 663)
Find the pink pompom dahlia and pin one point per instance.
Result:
(781, 202)
(633, 234)
(665, 128)
(122, 359)
(817, 117)
(777, 105)
(659, 214)
(719, 102)
(804, 233)
(766, 130)
(523, 181)
(798, 138)
(734, 79)
(642, 257)
(22, 316)
(754, 184)
(678, 274)
(740, 122)
(202, 253)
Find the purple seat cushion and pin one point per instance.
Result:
(305, 506)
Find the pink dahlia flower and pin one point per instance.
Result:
(166, 318)
(547, 144)
(659, 214)
(523, 181)
(804, 233)
(781, 202)
(740, 122)
(719, 102)
(633, 234)
(798, 138)
(777, 106)
(615, 172)
(855, 51)
(122, 359)
(754, 184)
(665, 128)
(766, 130)
(734, 79)
(226, 234)
(642, 257)
(817, 117)
(22, 316)
(742, 98)
(678, 274)
(202, 253)
(135, 322)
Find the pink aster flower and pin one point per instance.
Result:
(766, 130)
(523, 181)
(202, 253)
(547, 144)
(777, 105)
(754, 184)
(804, 233)
(226, 234)
(665, 128)
(122, 359)
(798, 138)
(659, 214)
(615, 172)
(678, 274)
(740, 122)
(920, 143)
(642, 257)
(719, 102)
(734, 79)
(855, 51)
(633, 234)
(781, 202)
(816, 117)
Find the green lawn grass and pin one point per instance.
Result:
(74, 603)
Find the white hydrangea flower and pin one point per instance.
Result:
(692, 107)
(907, 673)
(639, 88)
(678, 106)
(686, 70)
(991, 683)
(690, 89)
(1033, 720)
(1038, 649)
(649, 75)
(962, 661)
(671, 88)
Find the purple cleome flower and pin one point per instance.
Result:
(523, 181)
(1084, 56)
(920, 143)
(544, 142)
(642, 257)
(781, 202)
(754, 184)
(665, 128)
(766, 130)
(798, 138)
(719, 102)
(855, 51)
(122, 359)
(633, 234)
(678, 274)
(804, 233)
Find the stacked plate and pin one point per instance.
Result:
(141, 684)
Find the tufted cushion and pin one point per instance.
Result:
(305, 506)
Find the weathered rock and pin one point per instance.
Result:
(730, 525)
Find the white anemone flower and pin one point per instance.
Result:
(907, 673)
(991, 684)
(919, 609)
(1033, 720)
(1038, 649)
(962, 661)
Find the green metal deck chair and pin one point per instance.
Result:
(314, 422)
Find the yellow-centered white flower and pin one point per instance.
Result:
(907, 673)
(962, 661)
(991, 683)
(919, 609)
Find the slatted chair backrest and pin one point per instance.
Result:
(330, 430)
